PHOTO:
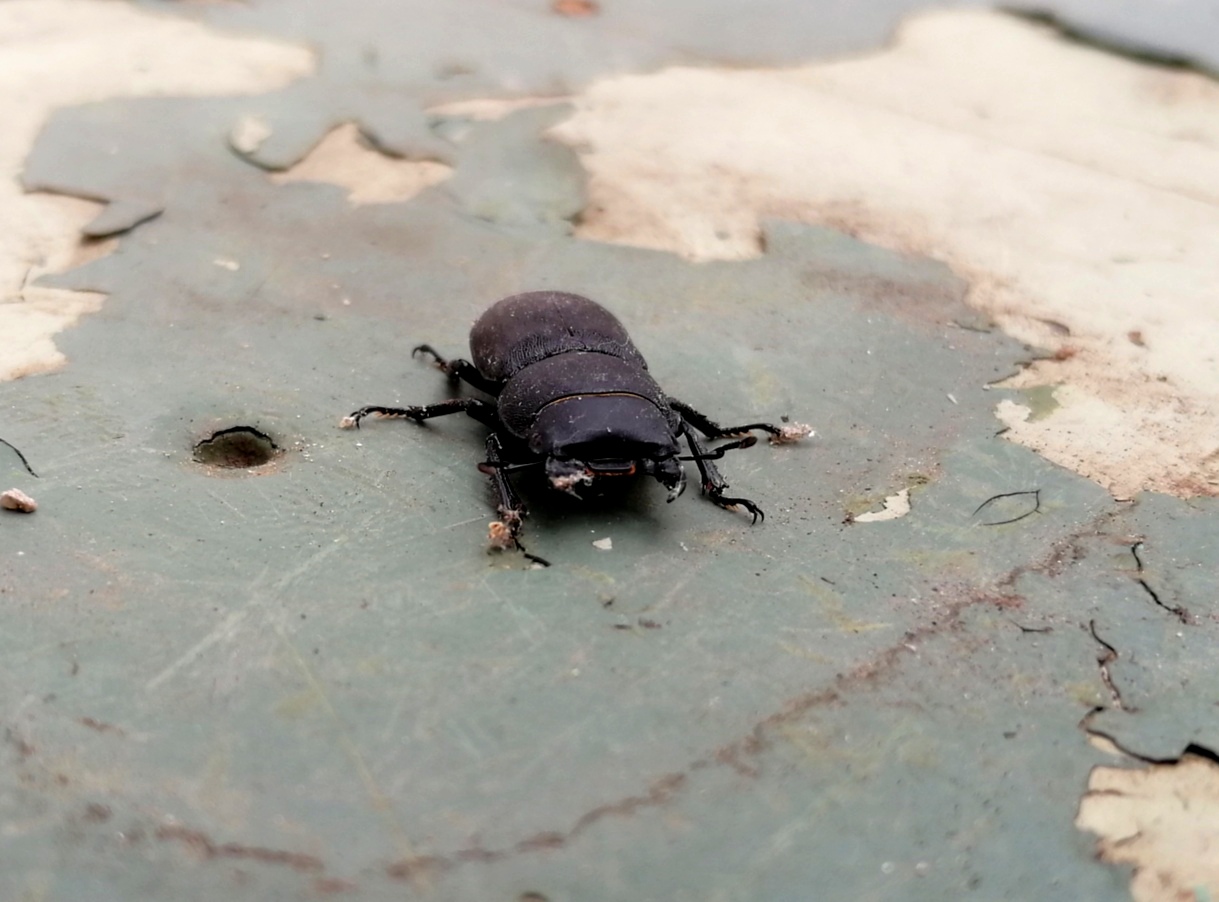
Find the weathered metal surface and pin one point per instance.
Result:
(313, 678)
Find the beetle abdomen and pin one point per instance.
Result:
(527, 328)
(575, 373)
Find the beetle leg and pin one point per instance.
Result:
(458, 369)
(779, 435)
(505, 532)
(510, 508)
(713, 483)
(483, 411)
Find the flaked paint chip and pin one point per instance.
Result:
(248, 134)
(895, 506)
(918, 135)
(66, 53)
(1163, 821)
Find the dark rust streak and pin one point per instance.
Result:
(734, 755)
(331, 885)
(418, 867)
(478, 854)
(659, 793)
(737, 754)
(201, 844)
(1061, 554)
(97, 813)
(100, 726)
(541, 842)
(17, 741)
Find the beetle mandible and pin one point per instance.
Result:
(573, 394)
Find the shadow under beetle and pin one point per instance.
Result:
(573, 394)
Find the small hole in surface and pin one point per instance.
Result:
(236, 448)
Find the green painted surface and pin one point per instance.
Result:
(315, 679)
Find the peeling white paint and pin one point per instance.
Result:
(56, 53)
(1162, 820)
(370, 177)
(895, 506)
(1077, 191)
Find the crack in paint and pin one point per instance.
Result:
(1035, 509)
(1104, 660)
(1176, 610)
(24, 462)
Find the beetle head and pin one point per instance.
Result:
(586, 438)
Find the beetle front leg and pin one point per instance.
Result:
(510, 508)
(504, 533)
(458, 369)
(483, 411)
(779, 435)
(713, 483)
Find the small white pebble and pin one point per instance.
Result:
(248, 134)
(226, 263)
(606, 544)
(17, 500)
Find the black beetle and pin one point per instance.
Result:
(573, 394)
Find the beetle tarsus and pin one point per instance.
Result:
(437, 357)
(714, 430)
(532, 557)
(734, 503)
(483, 411)
(713, 484)
(352, 420)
